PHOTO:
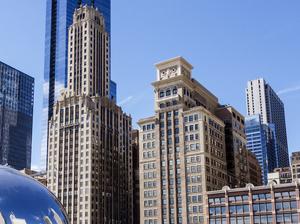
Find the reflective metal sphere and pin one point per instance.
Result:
(24, 200)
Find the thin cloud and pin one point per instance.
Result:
(289, 90)
(126, 100)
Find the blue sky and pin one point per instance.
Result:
(228, 43)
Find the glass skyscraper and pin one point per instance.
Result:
(16, 110)
(263, 100)
(262, 142)
(59, 16)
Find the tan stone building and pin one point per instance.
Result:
(89, 154)
(182, 148)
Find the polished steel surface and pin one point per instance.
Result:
(24, 200)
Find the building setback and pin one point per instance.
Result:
(90, 154)
(182, 148)
(16, 110)
(263, 100)
(59, 17)
(254, 205)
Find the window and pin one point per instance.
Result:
(161, 94)
(168, 92)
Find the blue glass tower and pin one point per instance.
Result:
(16, 110)
(261, 141)
(59, 16)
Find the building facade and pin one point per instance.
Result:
(16, 111)
(90, 154)
(59, 16)
(260, 141)
(242, 166)
(254, 169)
(182, 148)
(295, 165)
(281, 175)
(263, 100)
(272, 204)
(136, 176)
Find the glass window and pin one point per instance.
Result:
(161, 94)
(278, 206)
(269, 206)
(293, 205)
(286, 205)
(255, 207)
(232, 209)
(257, 219)
(239, 209)
(246, 209)
(279, 218)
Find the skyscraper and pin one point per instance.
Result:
(59, 14)
(16, 110)
(182, 148)
(262, 99)
(90, 152)
(261, 142)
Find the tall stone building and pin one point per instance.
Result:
(182, 148)
(59, 16)
(89, 154)
(242, 167)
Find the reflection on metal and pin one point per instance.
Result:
(24, 200)
(2, 221)
(14, 220)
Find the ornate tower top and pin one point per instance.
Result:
(172, 68)
(88, 54)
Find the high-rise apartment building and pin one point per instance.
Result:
(263, 100)
(90, 154)
(242, 167)
(16, 110)
(182, 148)
(59, 16)
(261, 142)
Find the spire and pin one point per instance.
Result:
(93, 3)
